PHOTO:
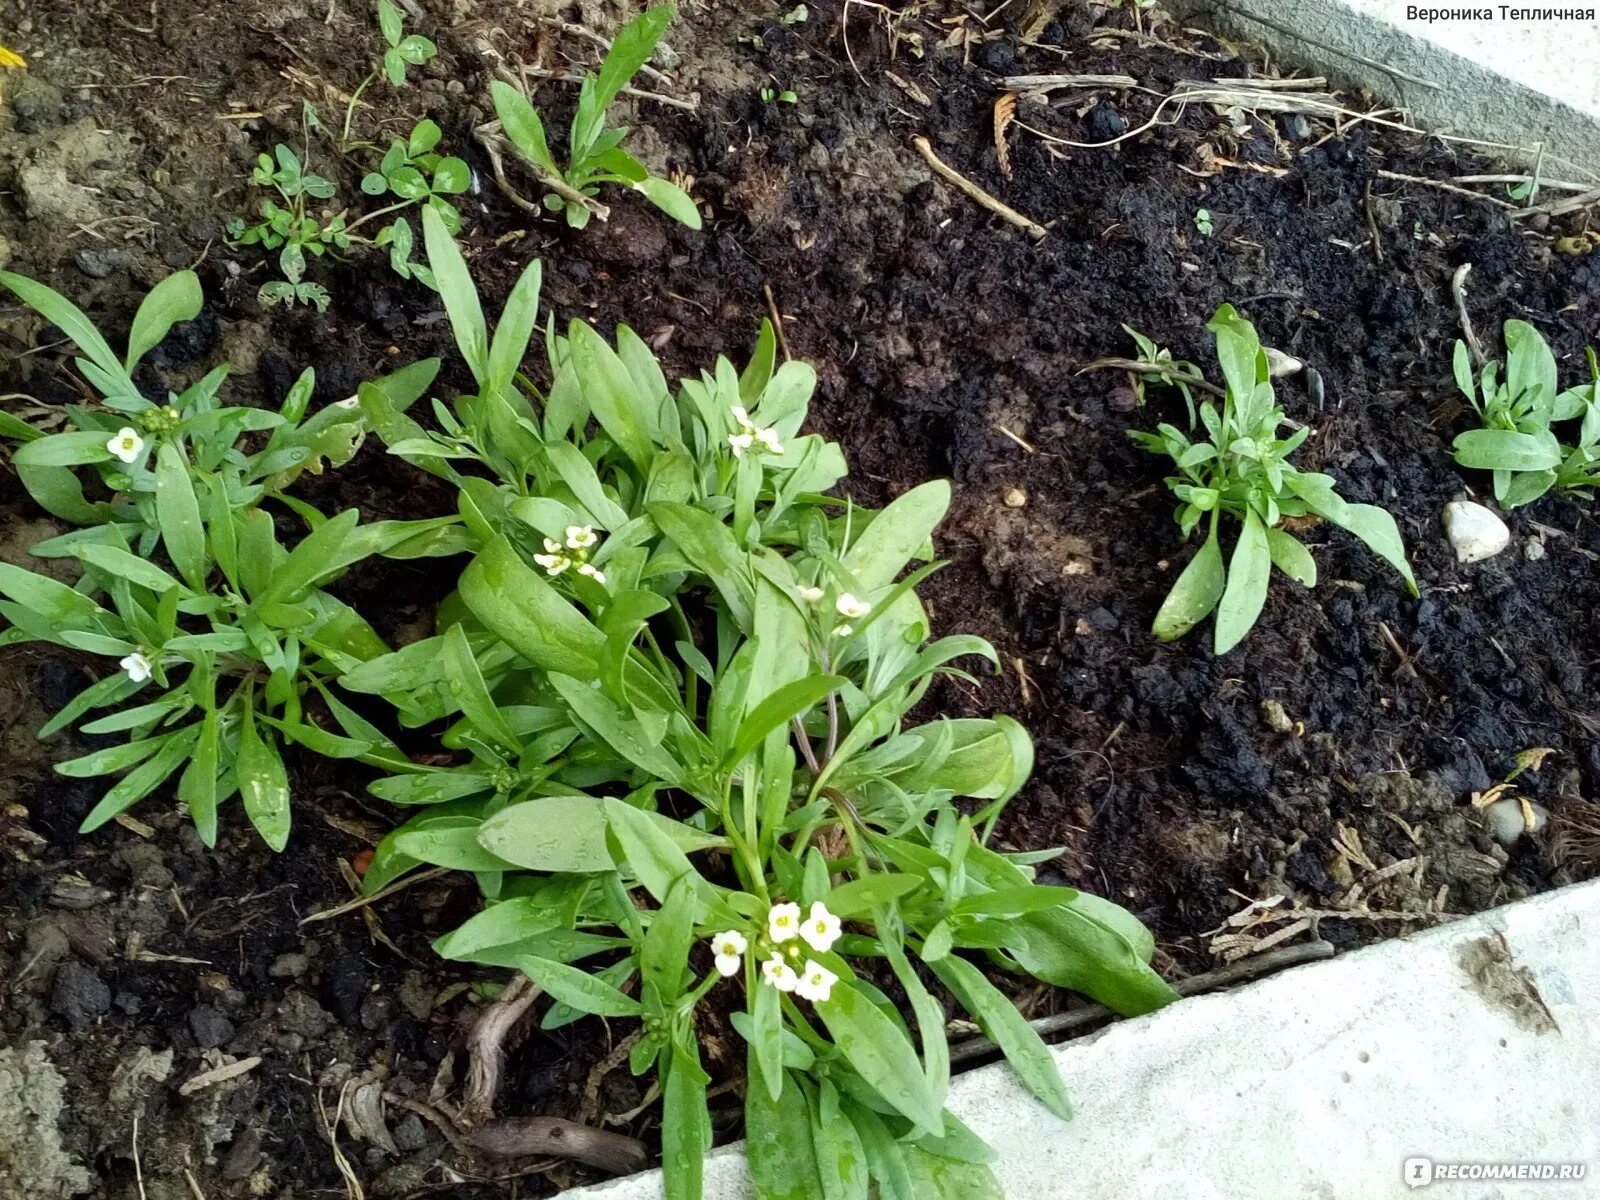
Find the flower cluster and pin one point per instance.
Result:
(749, 436)
(574, 554)
(847, 606)
(819, 930)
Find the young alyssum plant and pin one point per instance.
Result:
(534, 465)
(1240, 469)
(690, 768)
(237, 630)
(594, 153)
(1517, 409)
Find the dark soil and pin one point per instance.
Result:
(948, 344)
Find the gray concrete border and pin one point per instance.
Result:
(1517, 82)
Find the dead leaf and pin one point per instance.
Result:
(1005, 112)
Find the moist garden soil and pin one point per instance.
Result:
(1329, 761)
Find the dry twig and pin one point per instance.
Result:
(973, 191)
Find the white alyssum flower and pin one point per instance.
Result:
(137, 666)
(126, 445)
(842, 631)
(821, 928)
(783, 922)
(592, 571)
(850, 608)
(581, 537)
(811, 594)
(750, 435)
(729, 948)
(815, 983)
(553, 564)
(779, 974)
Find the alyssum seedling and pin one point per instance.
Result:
(1240, 469)
(1518, 406)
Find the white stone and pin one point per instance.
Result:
(1474, 531)
(1329, 1077)
(1280, 364)
(1507, 822)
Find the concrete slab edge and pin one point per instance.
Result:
(1472, 1042)
(1490, 81)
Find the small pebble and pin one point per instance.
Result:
(1533, 551)
(1015, 497)
(1475, 533)
(1276, 718)
(1280, 364)
(1506, 820)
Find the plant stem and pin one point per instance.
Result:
(350, 111)
(360, 221)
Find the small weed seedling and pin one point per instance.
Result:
(771, 95)
(290, 228)
(1241, 469)
(594, 153)
(1202, 222)
(402, 51)
(1517, 408)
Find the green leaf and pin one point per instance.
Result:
(320, 553)
(1292, 558)
(178, 512)
(709, 545)
(432, 787)
(631, 49)
(1506, 450)
(567, 834)
(522, 124)
(1378, 530)
(467, 689)
(69, 318)
(1195, 594)
(1246, 592)
(197, 786)
(111, 759)
(458, 293)
(664, 957)
(881, 1055)
(64, 450)
(777, 710)
(176, 298)
(648, 853)
(783, 1163)
(515, 327)
(685, 1124)
(142, 780)
(627, 416)
(1003, 1025)
(119, 563)
(50, 599)
(897, 534)
(862, 895)
(263, 783)
(576, 987)
(525, 612)
(391, 22)
(670, 199)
